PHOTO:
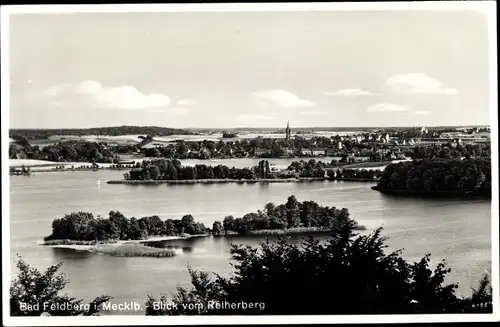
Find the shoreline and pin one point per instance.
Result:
(120, 248)
(105, 247)
(289, 231)
(237, 181)
(433, 194)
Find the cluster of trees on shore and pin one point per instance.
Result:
(34, 134)
(83, 226)
(229, 135)
(447, 151)
(72, 151)
(311, 168)
(471, 176)
(361, 174)
(293, 214)
(163, 169)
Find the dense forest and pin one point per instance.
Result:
(293, 214)
(68, 151)
(33, 134)
(83, 226)
(447, 151)
(468, 176)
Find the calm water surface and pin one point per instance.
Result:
(457, 230)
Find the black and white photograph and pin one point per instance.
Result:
(275, 161)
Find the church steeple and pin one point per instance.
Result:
(287, 131)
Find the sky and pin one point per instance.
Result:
(249, 69)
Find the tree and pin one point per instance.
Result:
(228, 223)
(154, 172)
(217, 228)
(33, 293)
(353, 271)
(267, 171)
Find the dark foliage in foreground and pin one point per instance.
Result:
(33, 293)
(347, 275)
(83, 226)
(471, 176)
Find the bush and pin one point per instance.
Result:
(33, 293)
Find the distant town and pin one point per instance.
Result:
(113, 146)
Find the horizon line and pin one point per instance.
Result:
(243, 127)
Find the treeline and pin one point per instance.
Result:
(68, 151)
(163, 169)
(447, 151)
(33, 134)
(83, 226)
(355, 174)
(311, 168)
(469, 176)
(229, 135)
(291, 215)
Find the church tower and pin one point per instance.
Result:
(288, 131)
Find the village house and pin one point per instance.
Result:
(260, 151)
(305, 152)
(318, 152)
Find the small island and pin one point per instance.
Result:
(438, 178)
(293, 217)
(121, 236)
(164, 171)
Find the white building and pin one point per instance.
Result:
(305, 152)
(318, 152)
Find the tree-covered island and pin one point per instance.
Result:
(83, 229)
(171, 171)
(438, 177)
(290, 217)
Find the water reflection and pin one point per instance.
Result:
(62, 254)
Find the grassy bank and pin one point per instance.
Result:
(112, 248)
(74, 242)
(288, 231)
(132, 250)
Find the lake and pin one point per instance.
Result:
(456, 230)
